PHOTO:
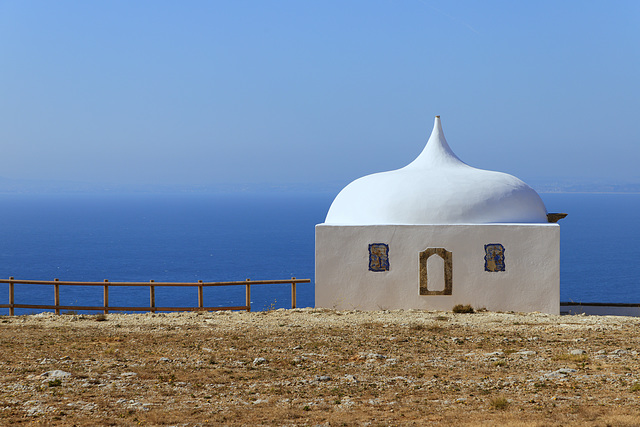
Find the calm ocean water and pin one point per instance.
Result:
(234, 237)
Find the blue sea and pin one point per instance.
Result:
(186, 238)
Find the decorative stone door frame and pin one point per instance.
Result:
(447, 257)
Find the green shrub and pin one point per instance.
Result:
(55, 383)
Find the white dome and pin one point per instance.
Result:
(437, 188)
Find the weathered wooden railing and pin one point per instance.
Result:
(152, 295)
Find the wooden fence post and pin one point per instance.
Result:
(152, 297)
(200, 295)
(106, 297)
(293, 293)
(248, 292)
(11, 302)
(56, 296)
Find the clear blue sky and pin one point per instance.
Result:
(315, 92)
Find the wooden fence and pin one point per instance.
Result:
(106, 308)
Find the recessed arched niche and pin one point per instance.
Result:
(431, 286)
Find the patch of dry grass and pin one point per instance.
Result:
(499, 402)
(463, 308)
(574, 358)
(319, 367)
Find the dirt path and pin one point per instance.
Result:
(319, 367)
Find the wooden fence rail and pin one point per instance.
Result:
(152, 295)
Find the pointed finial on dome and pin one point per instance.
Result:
(437, 151)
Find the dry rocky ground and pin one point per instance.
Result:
(319, 367)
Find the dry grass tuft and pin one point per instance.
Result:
(575, 358)
(460, 308)
(499, 403)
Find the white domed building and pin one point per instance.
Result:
(437, 233)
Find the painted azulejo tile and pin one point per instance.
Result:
(494, 257)
(378, 257)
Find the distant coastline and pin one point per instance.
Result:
(591, 187)
(28, 186)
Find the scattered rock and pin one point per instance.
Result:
(259, 361)
(374, 356)
(36, 411)
(351, 378)
(55, 374)
(560, 373)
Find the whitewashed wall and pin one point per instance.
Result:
(530, 282)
